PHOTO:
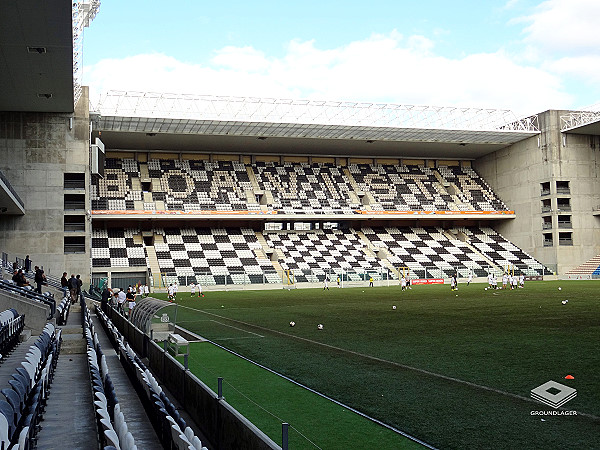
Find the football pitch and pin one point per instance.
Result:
(453, 369)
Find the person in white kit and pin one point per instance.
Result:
(192, 289)
(141, 290)
(504, 280)
(514, 280)
(470, 278)
(199, 287)
(146, 290)
(175, 289)
(170, 291)
(522, 281)
(403, 283)
(490, 280)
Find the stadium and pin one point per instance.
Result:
(299, 222)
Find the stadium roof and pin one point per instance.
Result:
(40, 52)
(581, 122)
(148, 121)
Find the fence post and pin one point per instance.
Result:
(284, 436)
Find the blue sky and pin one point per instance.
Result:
(523, 55)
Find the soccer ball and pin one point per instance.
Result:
(320, 326)
(564, 302)
(485, 289)
(559, 288)
(292, 323)
(394, 307)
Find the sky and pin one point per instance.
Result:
(524, 55)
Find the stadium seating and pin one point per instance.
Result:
(23, 407)
(213, 256)
(46, 298)
(116, 248)
(11, 325)
(302, 188)
(112, 427)
(170, 427)
(427, 252)
(295, 188)
(502, 252)
(401, 188)
(311, 255)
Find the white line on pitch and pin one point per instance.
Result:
(234, 338)
(236, 328)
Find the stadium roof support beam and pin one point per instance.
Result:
(309, 112)
(581, 122)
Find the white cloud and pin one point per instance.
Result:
(387, 68)
(564, 27)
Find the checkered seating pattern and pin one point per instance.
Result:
(200, 185)
(474, 193)
(311, 255)
(212, 256)
(116, 248)
(426, 249)
(401, 188)
(301, 188)
(114, 191)
(501, 251)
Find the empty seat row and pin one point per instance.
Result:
(295, 188)
(112, 427)
(62, 310)
(27, 291)
(170, 427)
(25, 399)
(11, 325)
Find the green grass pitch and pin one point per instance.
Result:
(454, 369)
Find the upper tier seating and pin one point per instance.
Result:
(306, 188)
(292, 188)
(181, 185)
(427, 249)
(312, 255)
(401, 188)
(473, 193)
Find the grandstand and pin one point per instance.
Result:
(235, 193)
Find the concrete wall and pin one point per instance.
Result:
(516, 173)
(36, 149)
(36, 314)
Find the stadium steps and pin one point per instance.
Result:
(252, 177)
(144, 174)
(465, 239)
(152, 259)
(590, 267)
(368, 252)
(69, 420)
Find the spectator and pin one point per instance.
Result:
(106, 294)
(79, 284)
(21, 280)
(39, 278)
(15, 276)
(64, 284)
(121, 301)
(73, 285)
(146, 291)
(27, 264)
(130, 296)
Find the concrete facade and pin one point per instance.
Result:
(516, 174)
(36, 150)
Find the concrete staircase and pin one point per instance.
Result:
(382, 254)
(153, 262)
